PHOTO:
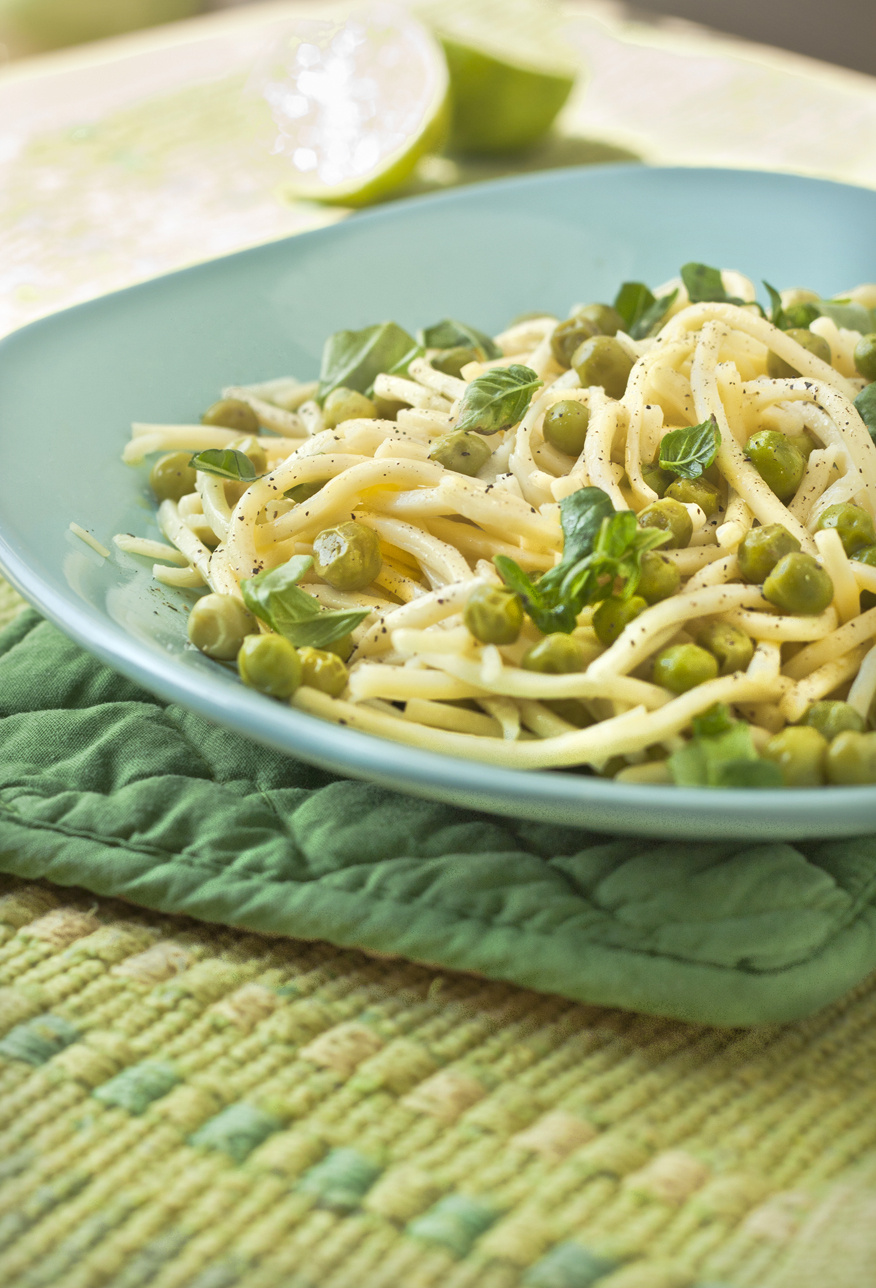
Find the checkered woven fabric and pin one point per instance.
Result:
(186, 1106)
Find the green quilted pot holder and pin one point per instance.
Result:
(103, 786)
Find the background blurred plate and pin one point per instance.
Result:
(71, 384)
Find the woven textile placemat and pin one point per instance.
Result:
(190, 1106)
(186, 1106)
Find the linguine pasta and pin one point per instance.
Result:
(418, 674)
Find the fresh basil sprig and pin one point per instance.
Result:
(640, 310)
(722, 754)
(689, 452)
(705, 286)
(278, 600)
(848, 314)
(225, 463)
(450, 334)
(497, 399)
(602, 550)
(353, 359)
(865, 405)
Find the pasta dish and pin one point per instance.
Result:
(637, 541)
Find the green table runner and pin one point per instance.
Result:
(103, 786)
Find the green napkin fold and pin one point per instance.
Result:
(105, 787)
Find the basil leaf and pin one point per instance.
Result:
(325, 628)
(581, 516)
(688, 452)
(631, 301)
(225, 463)
(353, 359)
(497, 399)
(777, 312)
(616, 534)
(602, 550)
(451, 334)
(847, 314)
(704, 285)
(275, 597)
(400, 368)
(652, 317)
(640, 310)
(865, 405)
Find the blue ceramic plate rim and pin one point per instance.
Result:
(592, 803)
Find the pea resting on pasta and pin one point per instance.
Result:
(637, 541)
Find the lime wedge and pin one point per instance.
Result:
(510, 70)
(356, 103)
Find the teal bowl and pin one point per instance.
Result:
(71, 384)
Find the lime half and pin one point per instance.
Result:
(356, 103)
(510, 70)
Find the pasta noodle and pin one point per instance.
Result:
(419, 669)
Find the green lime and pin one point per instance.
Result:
(356, 103)
(510, 70)
(51, 24)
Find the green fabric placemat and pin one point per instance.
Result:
(103, 786)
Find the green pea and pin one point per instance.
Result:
(731, 646)
(555, 655)
(804, 443)
(865, 356)
(568, 335)
(493, 614)
(683, 666)
(799, 584)
(321, 669)
(218, 625)
(779, 369)
(606, 319)
(657, 479)
(342, 647)
(715, 720)
(452, 361)
(779, 463)
(565, 426)
(851, 759)
(613, 614)
(854, 525)
(571, 710)
(669, 516)
(603, 361)
(347, 557)
(831, 717)
(346, 404)
(232, 413)
(761, 549)
(801, 315)
(304, 491)
(867, 556)
(799, 753)
(171, 477)
(658, 577)
(270, 664)
(387, 408)
(696, 492)
(461, 452)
